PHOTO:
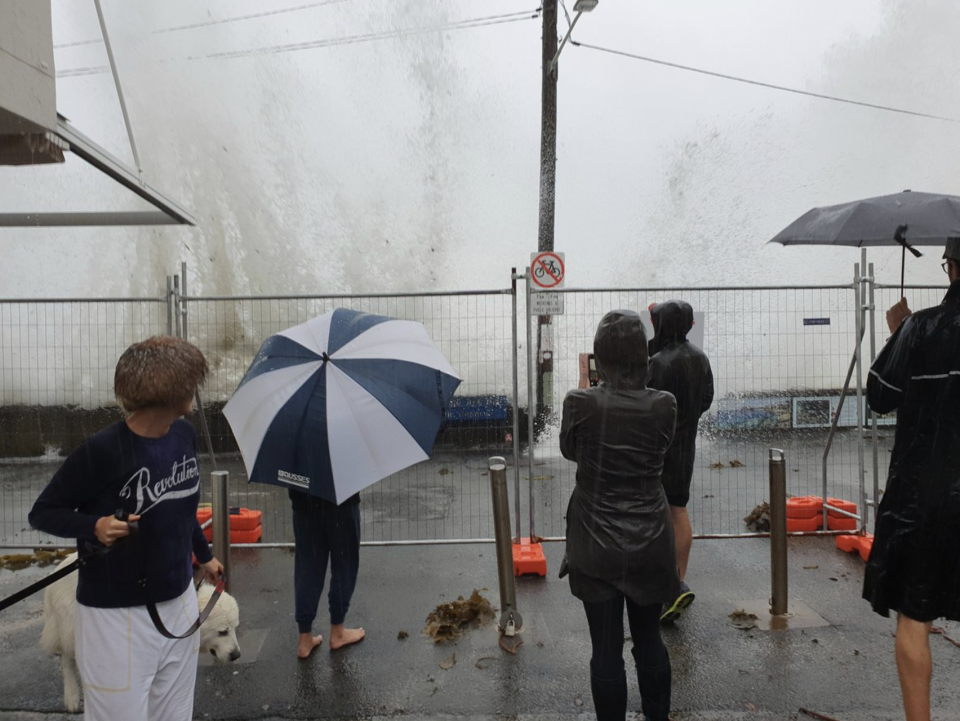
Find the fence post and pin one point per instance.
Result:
(531, 410)
(169, 305)
(177, 319)
(778, 532)
(861, 269)
(516, 406)
(510, 620)
(221, 521)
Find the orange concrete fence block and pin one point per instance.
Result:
(796, 525)
(860, 544)
(839, 522)
(246, 525)
(804, 507)
(528, 559)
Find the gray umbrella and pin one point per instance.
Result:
(905, 219)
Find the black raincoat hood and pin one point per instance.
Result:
(672, 320)
(620, 349)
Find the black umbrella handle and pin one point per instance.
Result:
(901, 237)
(903, 265)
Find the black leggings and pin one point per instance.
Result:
(608, 678)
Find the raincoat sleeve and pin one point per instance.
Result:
(707, 400)
(569, 425)
(891, 370)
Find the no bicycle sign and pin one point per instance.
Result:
(547, 270)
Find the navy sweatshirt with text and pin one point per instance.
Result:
(156, 478)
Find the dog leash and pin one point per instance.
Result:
(93, 552)
(158, 622)
(152, 607)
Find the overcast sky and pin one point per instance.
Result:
(412, 162)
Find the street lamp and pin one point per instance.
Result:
(581, 7)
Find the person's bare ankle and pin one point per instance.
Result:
(341, 636)
(307, 644)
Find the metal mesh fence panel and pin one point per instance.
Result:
(444, 499)
(779, 357)
(56, 387)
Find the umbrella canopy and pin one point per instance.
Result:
(925, 218)
(904, 219)
(335, 404)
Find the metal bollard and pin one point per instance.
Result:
(510, 620)
(778, 532)
(221, 521)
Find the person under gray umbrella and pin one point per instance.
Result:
(914, 564)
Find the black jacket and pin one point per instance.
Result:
(680, 368)
(619, 532)
(914, 566)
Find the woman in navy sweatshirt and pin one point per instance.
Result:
(145, 467)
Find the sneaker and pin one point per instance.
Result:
(673, 611)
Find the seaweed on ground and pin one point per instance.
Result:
(40, 557)
(449, 621)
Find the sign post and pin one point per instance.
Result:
(547, 272)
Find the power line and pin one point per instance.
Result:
(237, 18)
(206, 23)
(369, 37)
(92, 41)
(332, 42)
(79, 72)
(764, 85)
(565, 13)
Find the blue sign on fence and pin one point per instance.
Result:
(816, 321)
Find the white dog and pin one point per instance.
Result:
(218, 634)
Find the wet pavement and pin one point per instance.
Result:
(448, 497)
(845, 670)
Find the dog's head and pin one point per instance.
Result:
(218, 634)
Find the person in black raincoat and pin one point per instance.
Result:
(620, 545)
(914, 565)
(679, 367)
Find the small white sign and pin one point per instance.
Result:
(547, 270)
(546, 304)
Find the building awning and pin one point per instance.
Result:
(69, 138)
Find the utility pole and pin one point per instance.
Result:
(548, 184)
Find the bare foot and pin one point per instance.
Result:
(307, 644)
(340, 636)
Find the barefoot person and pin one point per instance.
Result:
(325, 532)
(620, 547)
(146, 467)
(680, 368)
(914, 564)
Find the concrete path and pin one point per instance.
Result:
(845, 670)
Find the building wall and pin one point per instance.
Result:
(28, 100)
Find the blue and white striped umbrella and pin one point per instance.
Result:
(335, 404)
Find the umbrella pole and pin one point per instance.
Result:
(903, 265)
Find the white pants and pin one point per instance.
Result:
(129, 670)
